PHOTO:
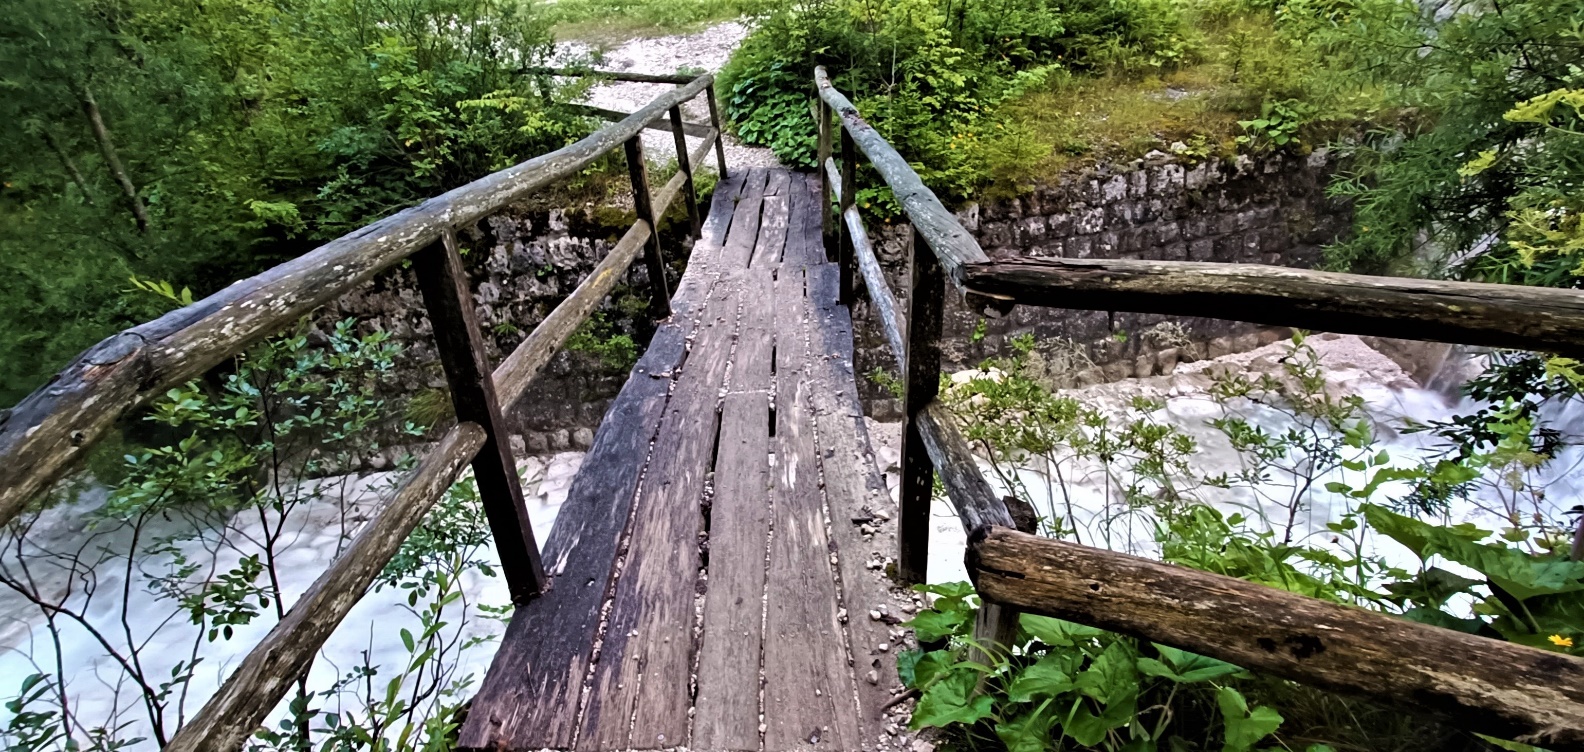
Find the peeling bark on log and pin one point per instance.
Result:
(1470, 313)
(1492, 687)
(48, 430)
(271, 669)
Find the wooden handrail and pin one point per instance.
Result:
(892, 324)
(1471, 313)
(1503, 689)
(50, 429)
(952, 243)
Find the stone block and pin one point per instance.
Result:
(1166, 360)
(537, 443)
(1058, 225)
(1117, 370)
(1114, 189)
(1081, 246)
(1166, 179)
(1089, 221)
(997, 234)
(1228, 248)
(1029, 231)
(1143, 366)
(1138, 183)
(582, 439)
(1120, 213)
(1108, 245)
(1218, 347)
(518, 446)
(1177, 251)
(1202, 249)
(1197, 177)
(560, 440)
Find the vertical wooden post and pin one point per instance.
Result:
(660, 300)
(720, 135)
(849, 192)
(926, 295)
(996, 626)
(822, 114)
(449, 300)
(685, 165)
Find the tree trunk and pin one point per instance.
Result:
(113, 160)
(70, 166)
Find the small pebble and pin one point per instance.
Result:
(873, 677)
(884, 647)
(875, 615)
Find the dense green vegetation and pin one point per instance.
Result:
(198, 143)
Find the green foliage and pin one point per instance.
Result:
(597, 337)
(1278, 124)
(247, 132)
(1479, 141)
(930, 75)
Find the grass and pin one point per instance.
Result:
(1078, 120)
(610, 22)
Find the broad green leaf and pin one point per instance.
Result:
(1044, 679)
(934, 626)
(1520, 574)
(1185, 667)
(1029, 732)
(1244, 727)
(951, 700)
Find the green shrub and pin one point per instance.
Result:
(931, 76)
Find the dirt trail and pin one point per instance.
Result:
(706, 50)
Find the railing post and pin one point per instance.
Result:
(449, 300)
(849, 192)
(926, 293)
(660, 300)
(822, 114)
(685, 165)
(720, 135)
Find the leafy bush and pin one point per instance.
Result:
(930, 75)
(1067, 686)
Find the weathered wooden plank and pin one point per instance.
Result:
(530, 696)
(520, 368)
(271, 669)
(809, 697)
(640, 688)
(844, 249)
(726, 711)
(48, 430)
(822, 121)
(856, 495)
(777, 182)
(804, 247)
(771, 244)
(443, 281)
(1498, 688)
(1472, 313)
(745, 222)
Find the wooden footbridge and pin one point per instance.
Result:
(695, 591)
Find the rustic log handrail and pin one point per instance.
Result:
(892, 324)
(41, 437)
(951, 242)
(49, 430)
(1469, 313)
(1498, 688)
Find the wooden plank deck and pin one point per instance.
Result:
(709, 550)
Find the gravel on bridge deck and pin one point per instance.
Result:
(711, 546)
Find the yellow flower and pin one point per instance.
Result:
(1560, 641)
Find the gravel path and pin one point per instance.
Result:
(706, 50)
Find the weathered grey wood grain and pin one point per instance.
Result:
(685, 169)
(443, 281)
(1472, 313)
(954, 245)
(654, 256)
(271, 668)
(977, 504)
(640, 688)
(1498, 688)
(530, 696)
(771, 243)
(49, 430)
(726, 710)
(884, 301)
(715, 122)
(519, 369)
(745, 222)
(920, 384)
(662, 124)
(809, 698)
(856, 495)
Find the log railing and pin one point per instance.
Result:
(45, 434)
(1493, 687)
